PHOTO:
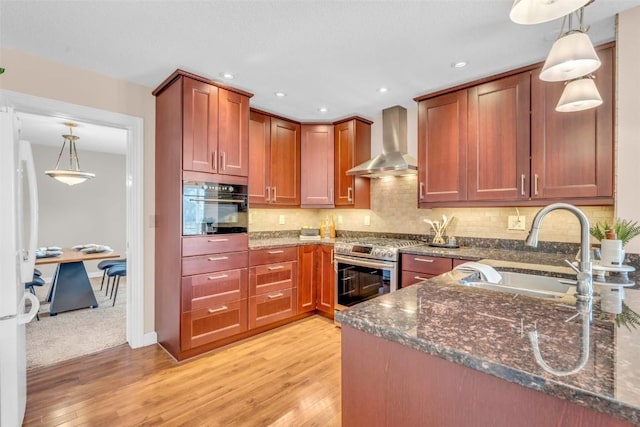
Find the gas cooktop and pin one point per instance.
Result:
(374, 247)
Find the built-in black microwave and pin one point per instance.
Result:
(213, 208)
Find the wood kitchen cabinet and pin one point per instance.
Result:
(352, 147)
(317, 166)
(572, 153)
(326, 281)
(215, 129)
(307, 278)
(500, 142)
(442, 148)
(272, 285)
(274, 179)
(417, 268)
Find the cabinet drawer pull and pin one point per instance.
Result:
(350, 194)
(222, 276)
(278, 295)
(420, 278)
(217, 240)
(421, 197)
(268, 193)
(522, 185)
(277, 267)
(215, 310)
(423, 260)
(275, 252)
(535, 184)
(220, 258)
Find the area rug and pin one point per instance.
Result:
(76, 333)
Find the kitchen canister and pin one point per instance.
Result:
(611, 252)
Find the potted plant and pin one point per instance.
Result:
(621, 229)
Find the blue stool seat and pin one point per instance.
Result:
(116, 271)
(36, 281)
(104, 266)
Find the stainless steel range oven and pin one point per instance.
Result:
(366, 268)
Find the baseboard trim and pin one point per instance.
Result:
(149, 338)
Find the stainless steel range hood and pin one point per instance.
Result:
(394, 159)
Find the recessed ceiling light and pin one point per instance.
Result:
(383, 89)
(323, 109)
(280, 94)
(227, 76)
(459, 64)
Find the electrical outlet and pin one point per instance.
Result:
(367, 220)
(516, 222)
(339, 219)
(281, 220)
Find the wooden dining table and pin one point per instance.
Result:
(71, 288)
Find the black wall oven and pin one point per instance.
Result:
(214, 208)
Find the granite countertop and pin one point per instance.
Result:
(487, 331)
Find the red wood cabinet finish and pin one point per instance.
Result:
(274, 178)
(264, 279)
(442, 148)
(203, 264)
(214, 244)
(271, 307)
(317, 166)
(272, 255)
(233, 133)
(572, 153)
(200, 126)
(200, 327)
(326, 281)
(426, 264)
(307, 278)
(498, 139)
(214, 289)
(352, 147)
(409, 278)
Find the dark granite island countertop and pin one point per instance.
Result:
(487, 331)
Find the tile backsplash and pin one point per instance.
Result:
(394, 210)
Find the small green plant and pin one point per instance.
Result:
(625, 230)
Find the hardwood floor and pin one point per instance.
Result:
(286, 377)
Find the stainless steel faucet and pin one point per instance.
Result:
(584, 294)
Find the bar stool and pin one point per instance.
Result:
(116, 271)
(104, 266)
(37, 281)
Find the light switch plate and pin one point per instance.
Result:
(367, 220)
(516, 222)
(281, 220)
(339, 219)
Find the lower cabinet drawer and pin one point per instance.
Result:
(426, 264)
(409, 278)
(265, 279)
(213, 262)
(201, 327)
(271, 307)
(214, 289)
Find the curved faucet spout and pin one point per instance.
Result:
(584, 294)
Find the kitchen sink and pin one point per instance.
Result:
(527, 284)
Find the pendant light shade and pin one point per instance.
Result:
(571, 56)
(579, 94)
(73, 175)
(538, 11)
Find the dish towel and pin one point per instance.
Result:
(488, 273)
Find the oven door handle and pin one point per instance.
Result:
(206, 200)
(364, 263)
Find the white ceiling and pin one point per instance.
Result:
(321, 53)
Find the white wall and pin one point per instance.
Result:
(628, 129)
(91, 212)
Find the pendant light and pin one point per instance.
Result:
(579, 94)
(538, 11)
(73, 175)
(571, 56)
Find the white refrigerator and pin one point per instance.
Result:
(18, 239)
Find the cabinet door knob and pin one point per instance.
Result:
(214, 160)
(522, 178)
(535, 184)
(275, 195)
(215, 310)
(268, 194)
(223, 161)
(421, 196)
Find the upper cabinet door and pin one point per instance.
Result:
(316, 176)
(344, 160)
(285, 161)
(200, 126)
(233, 133)
(260, 160)
(572, 153)
(498, 138)
(442, 148)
